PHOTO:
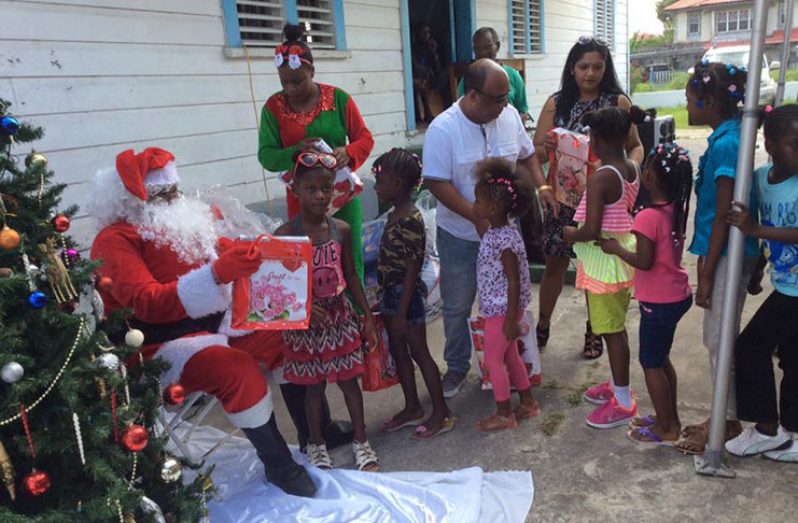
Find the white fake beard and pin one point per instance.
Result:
(185, 225)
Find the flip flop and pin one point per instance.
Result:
(644, 421)
(654, 439)
(421, 433)
(409, 423)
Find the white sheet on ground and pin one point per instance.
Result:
(461, 496)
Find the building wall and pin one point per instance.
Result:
(708, 23)
(104, 75)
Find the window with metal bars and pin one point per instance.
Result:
(259, 23)
(605, 21)
(526, 27)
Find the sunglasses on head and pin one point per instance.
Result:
(587, 40)
(312, 159)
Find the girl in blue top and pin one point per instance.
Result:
(714, 94)
(774, 327)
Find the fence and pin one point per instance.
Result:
(660, 77)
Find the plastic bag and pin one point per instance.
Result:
(527, 345)
(568, 169)
(431, 270)
(233, 219)
(372, 235)
(381, 370)
(346, 186)
(278, 296)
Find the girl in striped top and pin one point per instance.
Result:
(605, 211)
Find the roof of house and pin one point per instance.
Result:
(687, 4)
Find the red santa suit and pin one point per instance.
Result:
(177, 302)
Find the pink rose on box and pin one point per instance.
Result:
(270, 299)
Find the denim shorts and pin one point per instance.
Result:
(657, 326)
(416, 313)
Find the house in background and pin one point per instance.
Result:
(191, 75)
(706, 23)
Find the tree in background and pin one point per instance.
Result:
(77, 438)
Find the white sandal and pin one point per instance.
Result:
(319, 457)
(365, 457)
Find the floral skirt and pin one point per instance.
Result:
(331, 350)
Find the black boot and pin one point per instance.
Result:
(281, 469)
(336, 433)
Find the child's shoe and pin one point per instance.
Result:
(318, 456)
(497, 422)
(599, 394)
(752, 442)
(365, 457)
(611, 414)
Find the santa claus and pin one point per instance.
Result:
(167, 263)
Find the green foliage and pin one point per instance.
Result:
(791, 76)
(678, 82)
(663, 15)
(41, 341)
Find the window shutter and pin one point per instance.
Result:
(605, 21)
(519, 26)
(261, 22)
(317, 16)
(536, 26)
(527, 26)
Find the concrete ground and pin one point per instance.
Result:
(581, 473)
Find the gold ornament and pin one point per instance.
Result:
(7, 473)
(57, 274)
(171, 470)
(34, 160)
(9, 238)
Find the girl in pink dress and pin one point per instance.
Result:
(504, 289)
(332, 348)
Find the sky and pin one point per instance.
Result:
(643, 17)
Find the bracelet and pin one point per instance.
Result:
(545, 187)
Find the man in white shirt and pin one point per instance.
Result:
(480, 125)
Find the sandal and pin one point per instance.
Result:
(638, 435)
(319, 457)
(496, 422)
(527, 411)
(422, 433)
(694, 439)
(542, 335)
(365, 457)
(644, 421)
(391, 426)
(594, 346)
(689, 430)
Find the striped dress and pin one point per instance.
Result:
(597, 271)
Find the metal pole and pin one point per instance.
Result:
(711, 463)
(789, 5)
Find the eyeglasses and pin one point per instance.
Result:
(587, 40)
(493, 98)
(327, 161)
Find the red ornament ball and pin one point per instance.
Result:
(174, 394)
(135, 438)
(36, 483)
(105, 284)
(61, 223)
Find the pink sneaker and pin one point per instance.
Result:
(611, 415)
(599, 394)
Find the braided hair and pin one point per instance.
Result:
(674, 173)
(612, 124)
(406, 166)
(498, 177)
(725, 83)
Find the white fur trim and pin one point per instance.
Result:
(200, 294)
(255, 416)
(226, 328)
(166, 175)
(179, 351)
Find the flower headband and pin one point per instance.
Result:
(508, 184)
(671, 153)
(293, 52)
(706, 79)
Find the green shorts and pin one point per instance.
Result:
(607, 312)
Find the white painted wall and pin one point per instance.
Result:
(104, 75)
(708, 22)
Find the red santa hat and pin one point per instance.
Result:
(152, 166)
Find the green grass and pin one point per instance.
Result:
(792, 75)
(678, 81)
(679, 115)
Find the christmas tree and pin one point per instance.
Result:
(77, 427)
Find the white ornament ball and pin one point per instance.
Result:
(134, 338)
(171, 470)
(108, 361)
(12, 372)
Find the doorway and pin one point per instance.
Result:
(433, 32)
